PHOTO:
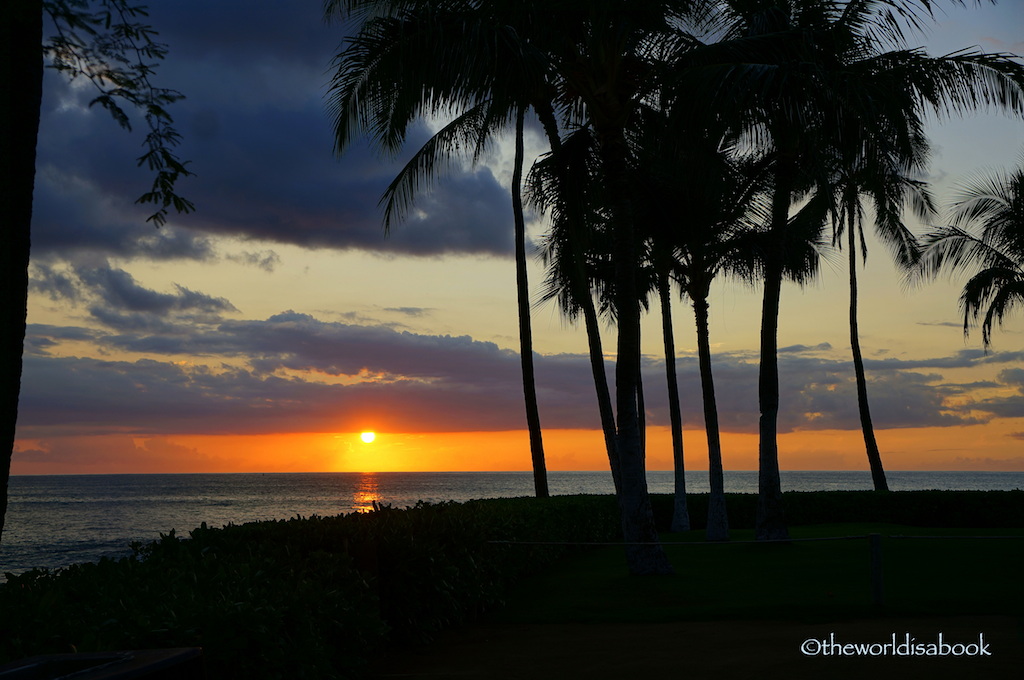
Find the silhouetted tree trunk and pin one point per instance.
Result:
(604, 397)
(680, 513)
(641, 408)
(718, 517)
(644, 553)
(770, 522)
(540, 473)
(21, 82)
(870, 444)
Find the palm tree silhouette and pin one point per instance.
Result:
(800, 73)
(986, 236)
(876, 178)
(396, 69)
(694, 161)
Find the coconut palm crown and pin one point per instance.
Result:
(985, 236)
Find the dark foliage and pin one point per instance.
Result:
(302, 598)
(317, 597)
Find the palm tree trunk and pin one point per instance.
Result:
(680, 513)
(718, 517)
(770, 522)
(581, 293)
(874, 457)
(21, 81)
(604, 397)
(641, 408)
(540, 474)
(644, 553)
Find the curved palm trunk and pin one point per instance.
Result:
(540, 474)
(581, 293)
(21, 80)
(770, 522)
(604, 397)
(680, 513)
(874, 457)
(718, 517)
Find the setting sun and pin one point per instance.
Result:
(368, 437)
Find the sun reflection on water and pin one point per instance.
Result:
(367, 493)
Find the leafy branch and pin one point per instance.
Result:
(108, 44)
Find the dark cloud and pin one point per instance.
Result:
(949, 324)
(293, 368)
(115, 299)
(41, 330)
(1010, 406)
(73, 214)
(967, 358)
(267, 260)
(258, 134)
(797, 349)
(117, 288)
(409, 311)
(161, 397)
(52, 282)
(815, 394)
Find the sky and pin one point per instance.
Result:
(267, 329)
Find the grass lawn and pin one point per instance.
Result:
(744, 610)
(800, 580)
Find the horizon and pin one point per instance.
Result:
(474, 472)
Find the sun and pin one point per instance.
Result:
(368, 437)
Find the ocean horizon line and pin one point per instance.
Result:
(486, 472)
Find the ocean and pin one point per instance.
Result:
(55, 521)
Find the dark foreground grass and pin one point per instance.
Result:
(938, 572)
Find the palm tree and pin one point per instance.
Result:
(986, 236)
(515, 53)
(792, 70)
(662, 259)
(862, 174)
(380, 85)
(715, 233)
(609, 69)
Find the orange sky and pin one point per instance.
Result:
(967, 448)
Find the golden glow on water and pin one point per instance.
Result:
(367, 493)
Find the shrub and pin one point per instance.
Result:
(306, 597)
